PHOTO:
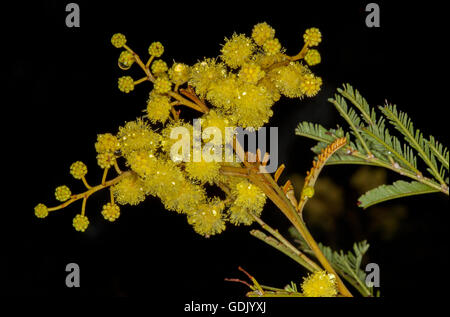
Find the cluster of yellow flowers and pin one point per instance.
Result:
(320, 284)
(237, 88)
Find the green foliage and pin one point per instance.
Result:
(372, 143)
(347, 265)
(397, 190)
(414, 137)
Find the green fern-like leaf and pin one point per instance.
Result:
(315, 132)
(439, 151)
(352, 119)
(350, 265)
(397, 190)
(414, 137)
(368, 115)
(390, 146)
(372, 143)
(347, 265)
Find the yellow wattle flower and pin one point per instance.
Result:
(237, 50)
(111, 211)
(262, 32)
(156, 49)
(320, 284)
(78, 169)
(158, 108)
(312, 37)
(80, 223)
(63, 193)
(130, 190)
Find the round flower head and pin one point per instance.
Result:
(159, 66)
(107, 143)
(222, 93)
(310, 85)
(41, 211)
(272, 46)
(312, 57)
(156, 49)
(249, 198)
(78, 169)
(118, 40)
(219, 122)
(319, 284)
(158, 108)
(126, 59)
(111, 212)
(167, 141)
(130, 190)
(288, 79)
(208, 219)
(205, 73)
(142, 162)
(80, 223)
(251, 73)
(262, 32)
(62, 193)
(126, 84)
(137, 135)
(179, 73)
(253, 106)
(106, 159)
(203, 171)
(237, 50)
(312, 37)
(162, 85)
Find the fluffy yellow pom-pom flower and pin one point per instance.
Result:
(118, 40)
(310, 85)
(312, 37)
(130, 190)
(158, 108)
(106, 143)
(320, 284)
(167, 142)
(203, 171)
(252, 106)
(262, 32)
(251, 73)
(137, 135)
(272, 46)
(223, 92)
(237, 50)
(208, 219)
(78, 169)
(312, 57)
(215, 119)
(80, 223)
(111, 212)
(179, 73)
(41, 211)
(288, 79)
(156, 49)
(143, 162)
(249, 198)
(126, 84)
(62, 193)
(204, 74)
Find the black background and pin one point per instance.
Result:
(61, 90)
